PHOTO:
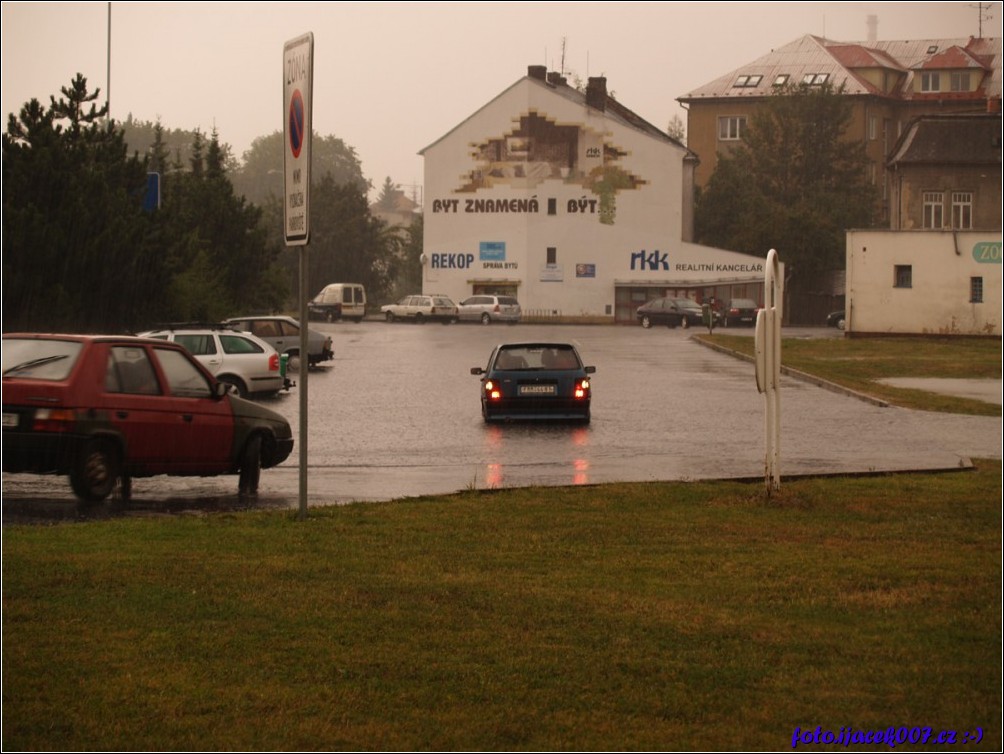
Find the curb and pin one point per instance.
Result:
(799, 375)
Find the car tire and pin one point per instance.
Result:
(646, 322)
(419, 319)
(250, 468)
(841, 323)
(390, 316)
(330, 317)
(238, 384)
(684, 323)
(95, 471)
(486, 319)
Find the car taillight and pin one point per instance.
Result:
(54, 420)
(581, 389)
(492, 391)
(273, 362)
(497, 308)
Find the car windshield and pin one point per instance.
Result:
(528, 358)
(39, 359)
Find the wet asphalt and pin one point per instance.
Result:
(396, 415)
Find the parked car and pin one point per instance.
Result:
(338, 301)
(672, 312)
(739, 311)
(283, 334)
(487, 309)
(421, 308)
(103, 408)
(237, 358)
(836, 319)
(535, 381)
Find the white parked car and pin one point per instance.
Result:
(487, 309)
(237, 358)
(422, 308)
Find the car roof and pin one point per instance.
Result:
(82, 337)
(535, 344)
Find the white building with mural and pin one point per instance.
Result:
(572, 203)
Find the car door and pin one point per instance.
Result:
(203, 421)
(204, 348)
(156, 440)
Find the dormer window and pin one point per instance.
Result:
(930, 82)
(960, 82)
(781, 80)
(815, 79)
(746, 82)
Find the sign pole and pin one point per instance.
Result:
(297, 112)
(767, 350)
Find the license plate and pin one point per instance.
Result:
(10, 420)
(537, 390)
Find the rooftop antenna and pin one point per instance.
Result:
(980, 7)
(563, 41)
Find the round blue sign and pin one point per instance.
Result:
(296, 123)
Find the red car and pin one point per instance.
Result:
(104, 407)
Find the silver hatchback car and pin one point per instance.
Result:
(487, 309)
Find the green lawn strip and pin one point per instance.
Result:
(857, 363)
(629, 616)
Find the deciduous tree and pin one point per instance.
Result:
(794, 183)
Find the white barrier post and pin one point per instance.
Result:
(767, 348)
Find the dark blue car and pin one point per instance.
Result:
(535, 381)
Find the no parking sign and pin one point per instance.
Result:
(297, 82)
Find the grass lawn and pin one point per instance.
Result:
(857, 363)
(664, 616)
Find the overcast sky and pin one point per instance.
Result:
(391, 78)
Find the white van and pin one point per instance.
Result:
(339, 301)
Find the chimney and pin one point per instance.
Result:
(596, 93)
(538, 72)
(872, 29)
(556, 79)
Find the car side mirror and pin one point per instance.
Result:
(590, 370)
(223, 388)
(477, 370)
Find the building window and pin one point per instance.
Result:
(904, 276)
(960, 82)
(962, 210)
(552, 206)
(872, 128)
(552, 255)
(975, 290)
(934, 210)
(781, 79)
(815, 79)
(747, 81)
(730, 128)
(930, 82)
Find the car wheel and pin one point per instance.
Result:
(95, 471)
(237, 383)
(646, 322)
(841, 323)
(330, 317)
(250, 469)
(486, 319)
(390, 316)
(419, 319)
(684, 323)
